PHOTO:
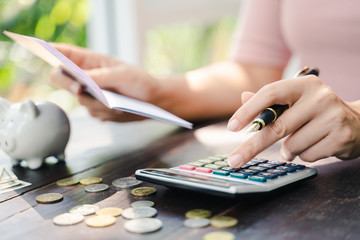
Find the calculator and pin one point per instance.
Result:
(212, 175)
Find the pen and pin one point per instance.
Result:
(272, 113)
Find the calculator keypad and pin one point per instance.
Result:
(257, 170)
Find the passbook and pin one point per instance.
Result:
(110, 99)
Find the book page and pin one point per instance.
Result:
(110, 99)
(145, 109)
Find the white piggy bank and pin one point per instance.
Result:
(33, 131)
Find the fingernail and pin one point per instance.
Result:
(75, 88)
(233, 124)
(235, 160)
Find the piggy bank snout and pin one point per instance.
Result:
(7, 143)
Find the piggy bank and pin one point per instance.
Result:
(33, 131)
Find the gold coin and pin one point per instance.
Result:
(143, 191)
(219, 236)
(198, 213)
(48, 198)
(67, 182)
(90, 180)
(110, 211)
(100, 221)
(223, 222)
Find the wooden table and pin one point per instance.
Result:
(326, 207)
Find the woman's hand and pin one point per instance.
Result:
(318, 123)
(109, 74)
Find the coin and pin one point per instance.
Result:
(126, 182)
(196, 222)
(110, 211)
(219, 236)
(68, 219)
(223, 222)
(143, 203)
(99, 187)
(198, 213)
(143, 225)
(142, 191)
(86, 209)
(100, 221)
(67, 182)
(139, 212)
(90, 180)
(48, 198)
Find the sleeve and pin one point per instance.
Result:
(259, 39)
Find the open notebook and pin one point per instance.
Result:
(110, 99)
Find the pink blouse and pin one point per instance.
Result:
(321, 33)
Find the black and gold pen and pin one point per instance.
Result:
(272, 113)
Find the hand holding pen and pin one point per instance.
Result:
(270, 114)
(316, 122)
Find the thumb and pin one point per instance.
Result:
(245, 96)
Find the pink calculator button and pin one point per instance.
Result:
(187, 167)
(203, 170)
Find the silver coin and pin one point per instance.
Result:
(197, 222)
(139, 212)
(143, 203)
(68, 219)
(98, 187)
(143, 225)
(86, 209)
(126, 182)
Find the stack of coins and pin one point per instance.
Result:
(141, 212)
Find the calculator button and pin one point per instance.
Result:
(221, 163)
(238, 175)
(187, 167)
(245, 166)
(276, 163)
(223, 156)
(297, 166)
(216, 158)
(221, 172)
(252, 163)
(257, 168)
(213, 166)
(248, 172)
(266, 165)
(287, 169)
(268, 175)
(277, 171)
(230, 170)
(205, 160)
(257, 179)
(203, 170)
(197, 164)
(258, 160)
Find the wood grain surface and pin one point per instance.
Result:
(326, 207)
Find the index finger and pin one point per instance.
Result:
(293, 119)
(284, 92)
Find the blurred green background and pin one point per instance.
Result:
(169, 49)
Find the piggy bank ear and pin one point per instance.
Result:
(4, 106)
(29, 108)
